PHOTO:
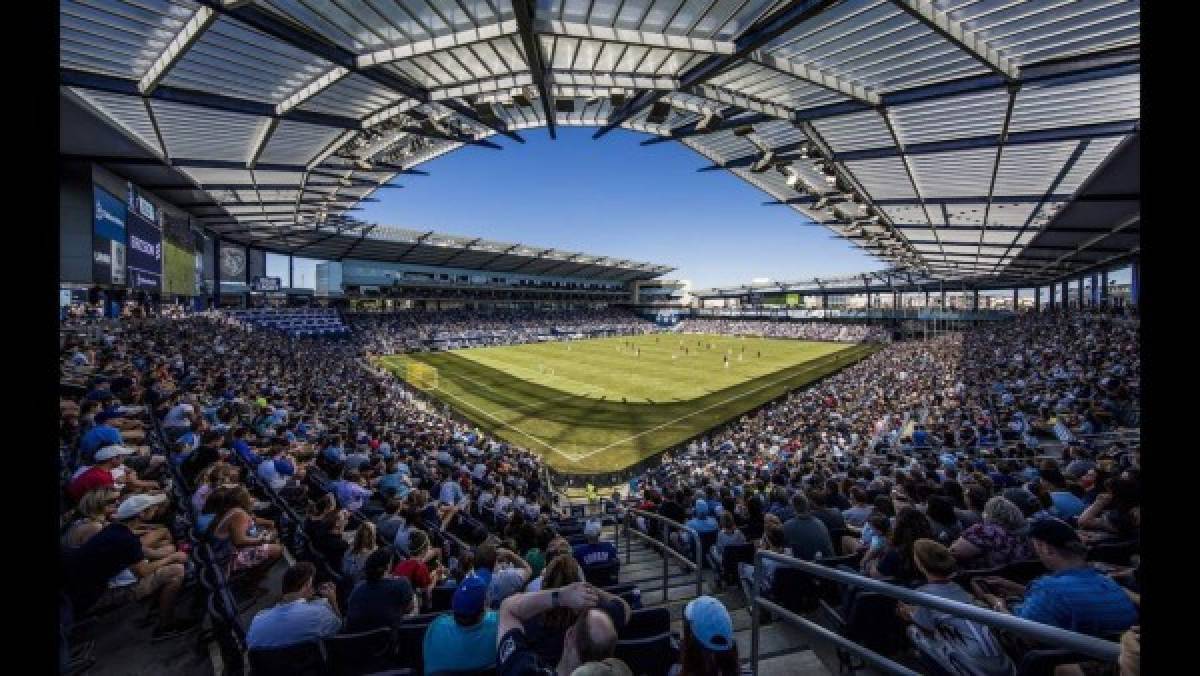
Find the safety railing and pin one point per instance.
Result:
(1090, 646)
(664, 545)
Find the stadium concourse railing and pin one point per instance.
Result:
(663, 547)
(1107, 651)
(901, 313)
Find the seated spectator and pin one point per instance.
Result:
(1117, 512)
(557, 547)
(99, 475)
(389, 522)
(110, 569)
(466, 638)
(1066, 504)
(942, 520)
(772, 541)
(708, 647)
(825, 513)
(363, 547)
(728, 535)
(243, 450)
(997, 541)
(206, 454)
(350, 492)
(504, 572)
(545, 632)
(212, 477)
(896, 561)
(857, 515)
(247, 541)
(416, 568)
(594, 552)
(937, 565)
(591, 639)
(379, 600)
(806, 535)
(1073, 595)
(298, 617)
(95, 510)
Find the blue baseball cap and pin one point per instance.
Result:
(470, 596)
(710, 623)
(701, 509)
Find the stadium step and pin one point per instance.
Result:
(783, 648)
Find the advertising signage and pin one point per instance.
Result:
(266, 284)
(233, 263)
(145, 255)
(108, 238)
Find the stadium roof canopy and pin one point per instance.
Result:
(962, 139)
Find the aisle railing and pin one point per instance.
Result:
(1083, 644)
(664, 546)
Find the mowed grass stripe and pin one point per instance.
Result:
(585, 434)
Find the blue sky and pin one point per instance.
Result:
(613, 197)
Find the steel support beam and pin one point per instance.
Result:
(525, 10)
(965, 39)
(265, 22)
(759, 33)
(188, 34)
(114, 85)
(1076, 133)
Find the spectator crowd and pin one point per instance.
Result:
(983, 466)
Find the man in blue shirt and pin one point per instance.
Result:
(242, 448)
(464, 640)
(1073, 596)
(594, 552)
(350, 494)
(451, 493)
(1066, 504)
(104, 433)
(297, 617)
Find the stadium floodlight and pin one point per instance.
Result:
(763, 162)
(706, 123)
(658, 113)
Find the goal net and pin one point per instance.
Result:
(421, 376)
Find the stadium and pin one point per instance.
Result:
(305, 430)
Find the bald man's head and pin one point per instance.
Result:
(591, 639)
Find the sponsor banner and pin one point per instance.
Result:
(145, 255)
(108, 216)
(108, 261)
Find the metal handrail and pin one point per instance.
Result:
(1091, 646)
(697, 565)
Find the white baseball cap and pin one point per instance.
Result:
(136, 504)
(110, 452)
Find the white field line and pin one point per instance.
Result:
(692, 413)
(569, 456)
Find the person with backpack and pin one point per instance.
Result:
(949, 644)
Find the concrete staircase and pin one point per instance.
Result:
(783, 648)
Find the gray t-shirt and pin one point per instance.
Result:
(924, 617)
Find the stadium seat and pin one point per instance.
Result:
(303, 659)
(351, 654)
(410, 645)
(602, 574)
(731, 556)
(650, 656)
(871, 622)
(645, 623)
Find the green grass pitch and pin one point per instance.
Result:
(602, 405)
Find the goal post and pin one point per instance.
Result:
(420, 375)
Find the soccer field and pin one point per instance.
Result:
(602, 405)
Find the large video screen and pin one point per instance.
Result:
(145, 255)
(108, 238)
(179, 270)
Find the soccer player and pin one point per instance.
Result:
(726, 361)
